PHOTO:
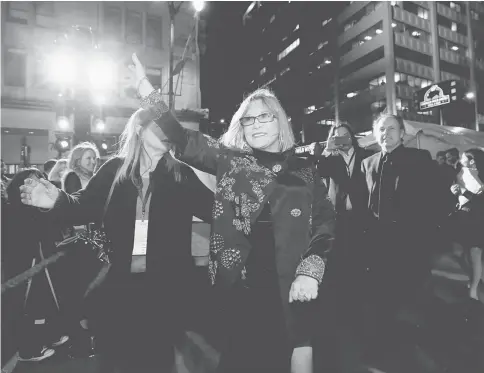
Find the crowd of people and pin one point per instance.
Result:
(339, 240)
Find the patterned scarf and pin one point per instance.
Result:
(244, 188)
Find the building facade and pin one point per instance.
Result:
(32, 103)
(373, 55)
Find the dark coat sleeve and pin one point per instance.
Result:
(192, 147)
(322, 233)
(200, 197)
(72, 183)
(87, 205)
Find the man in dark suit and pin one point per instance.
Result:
(403, 196)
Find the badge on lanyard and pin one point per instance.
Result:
(140, 237)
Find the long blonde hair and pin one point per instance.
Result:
(54, 173)
(74, 160)
(234, 137)
(130, 148)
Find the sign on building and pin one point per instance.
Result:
(436, 95)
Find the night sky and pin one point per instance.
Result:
(221, 78)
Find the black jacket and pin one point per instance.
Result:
(340, 184)
(72, 183)
(168, 258)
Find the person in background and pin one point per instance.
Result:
(57, 172)
(402, 190)
(440, 158)
(145, 302)
(272, 231)
(469, 217)
(340, 165)
(25, 232)
(452, 159)
(82, 162)
(48, 165)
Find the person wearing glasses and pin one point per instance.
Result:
(271, 233)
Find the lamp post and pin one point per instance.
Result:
(173, 10)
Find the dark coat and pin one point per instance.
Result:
(72, 183)
(340, 184)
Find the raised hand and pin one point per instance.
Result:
(137, 69)
(38, 193)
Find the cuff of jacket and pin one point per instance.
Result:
(154, 106)
(312, 266)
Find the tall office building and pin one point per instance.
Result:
(370, 56)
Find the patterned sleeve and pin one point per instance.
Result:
(192, 147)
(322, 229)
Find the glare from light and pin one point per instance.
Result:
(351, 94)
(394, 24)
(104, 146)
(63, 123)
(367, 37)
(222, 120)
(100, 125)
(101, 73)
(470, 95)
(198, 5)
(415, 33)
(455, 48)
(62, 68)
(378, 31)
(327, 62)
(99, 99)
(64, 144)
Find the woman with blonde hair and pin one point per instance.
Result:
(56, 174)
(150, 199)
(82, 164)
(272, 231)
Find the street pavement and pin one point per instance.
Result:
(452, 328)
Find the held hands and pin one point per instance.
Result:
(38, 193)
(303, 289)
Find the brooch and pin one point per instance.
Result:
(276, 168)
(296, 212)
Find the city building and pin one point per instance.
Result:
(38, 114)
(370, 56)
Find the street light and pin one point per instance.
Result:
(63, 123)
(470, 95)
(198, 5)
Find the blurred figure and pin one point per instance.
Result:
(452, 158)
(402, 190)
(81, 165)
(441, 158)
(469, 217)
(57, 172)
(25, 232)
(48, 165)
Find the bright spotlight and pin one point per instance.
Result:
(198, 5)
(101, 74)
(62, 68)
(470, 95)
(100, 125)
(222, 120)
(64, 144)
(104, 146)
(63, 123)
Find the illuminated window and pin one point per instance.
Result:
(321, 45)
(475, 15)
(272, 18)
(262, 71)
(310, 109)
(453, 26)
(154, 29)
(286, 70)
(288, 50)
(423, 13)
(326, 21)
(455, 6)
(296, 28)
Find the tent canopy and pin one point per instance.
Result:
(433, 138)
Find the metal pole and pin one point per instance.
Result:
(198, 93)
(472, 58)
(170, 72)
(435, 52)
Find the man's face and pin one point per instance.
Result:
(451, 159)
(388, 134)
(441, 159)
